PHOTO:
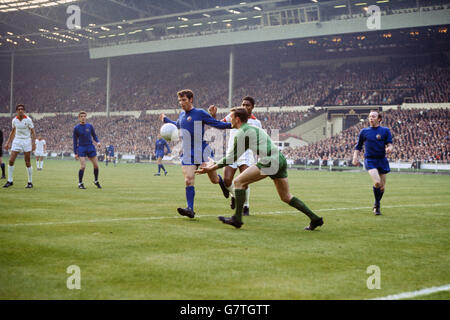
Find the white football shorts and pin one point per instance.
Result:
(246, 158)
(21, 145)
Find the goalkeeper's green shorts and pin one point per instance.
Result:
(275, 167)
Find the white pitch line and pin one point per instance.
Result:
(413, 294)
(202, 216)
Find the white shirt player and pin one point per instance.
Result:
(22, 137)
(22, 127)
(40, 146)
(247, 157)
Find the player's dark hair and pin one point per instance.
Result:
(20, 105)
(250, 99)
(186, 93)
(82, 112)
(241, 113)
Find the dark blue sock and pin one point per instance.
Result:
(162, 167)
(3, 168)
(96, 174)
(159, 168)
(80, 175)
(377, 194)
(190, 194)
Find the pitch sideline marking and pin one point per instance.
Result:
(413, 294)
(201, 216)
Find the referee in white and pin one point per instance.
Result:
(23, 139)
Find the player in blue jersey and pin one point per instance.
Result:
(377, 141)
(159, 153)
(196, 151)
(109, 157)
(83, 147)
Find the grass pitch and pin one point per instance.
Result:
(130, 243)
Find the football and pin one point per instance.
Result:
(169, 132)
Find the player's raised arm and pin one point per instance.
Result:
(164, 119)
(212, 110)
(209, 120)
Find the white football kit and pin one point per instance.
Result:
(22, 138)
(39, 148)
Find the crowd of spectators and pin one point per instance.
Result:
(138, 84)
(418, 134)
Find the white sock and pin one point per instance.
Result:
(42, 164)
(37, 164)
(231, 189)
(247, 198)
(30, 174)
(10, 173)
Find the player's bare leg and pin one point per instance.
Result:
(95, 164)
(378, 188)
(27, 157)
(189, 180)
(228, 175)
(250, 175)
(213, 176)
(12, 160)
(282, 186)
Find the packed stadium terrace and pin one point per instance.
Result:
(139, 84)
(419, 134)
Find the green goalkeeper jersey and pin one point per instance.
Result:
(271, 160)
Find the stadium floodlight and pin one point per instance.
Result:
(257, 8)
(361, 4)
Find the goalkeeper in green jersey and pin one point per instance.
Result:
(271, 163)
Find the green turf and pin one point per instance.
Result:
(130, 243)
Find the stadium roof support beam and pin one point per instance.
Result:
(108, 84)
(230, 80)
(11, 97)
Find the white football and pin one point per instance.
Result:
(169, 132)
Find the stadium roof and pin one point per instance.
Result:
(29, 25)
